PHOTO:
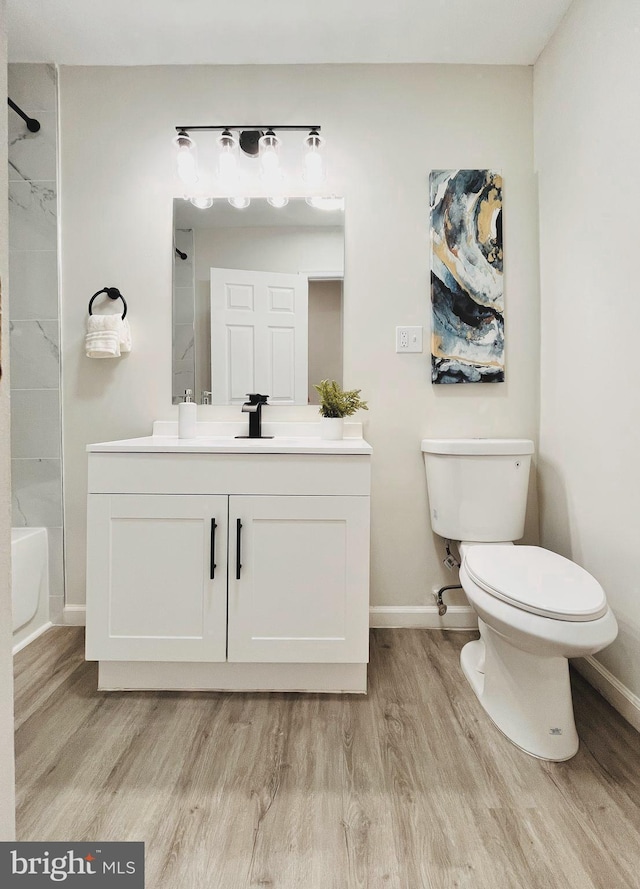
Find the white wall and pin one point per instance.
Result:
(587, 138)
(269, 249)
(7, 793)
(386, 127)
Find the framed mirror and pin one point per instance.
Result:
(257, 299)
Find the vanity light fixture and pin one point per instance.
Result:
(186, 158)
(251, 141)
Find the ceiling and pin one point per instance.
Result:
(188, 32)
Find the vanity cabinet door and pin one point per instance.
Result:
(298, 579)
(151, 595)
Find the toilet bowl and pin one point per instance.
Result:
(535, 608)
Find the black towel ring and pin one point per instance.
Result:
(112, 293)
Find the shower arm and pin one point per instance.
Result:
(33, 125)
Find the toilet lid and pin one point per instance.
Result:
(536, 580)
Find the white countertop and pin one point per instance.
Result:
(302, 438)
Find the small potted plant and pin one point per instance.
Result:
(335, 405)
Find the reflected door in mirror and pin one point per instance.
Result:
(259, 336)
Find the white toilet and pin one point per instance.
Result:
(535, 608)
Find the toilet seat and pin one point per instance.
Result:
(536, 580)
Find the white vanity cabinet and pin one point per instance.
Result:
(245, 569)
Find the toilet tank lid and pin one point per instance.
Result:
(482, 446)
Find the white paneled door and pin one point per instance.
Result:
(259, 339)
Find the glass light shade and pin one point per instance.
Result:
(239, 202)
(314, 172)
(269, 157)
(201, 202)
(228, 161)
(186, 158)
(278, 202)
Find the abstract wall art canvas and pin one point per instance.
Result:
(467, 303)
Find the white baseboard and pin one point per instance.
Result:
(458, 617)
(31, 637)
(619, 696)
(74, 615)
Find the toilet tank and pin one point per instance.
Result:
(478, 487)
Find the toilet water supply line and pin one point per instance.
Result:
(452, 563)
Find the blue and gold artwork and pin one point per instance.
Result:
(467, 335)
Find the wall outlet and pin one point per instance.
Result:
(408, 339)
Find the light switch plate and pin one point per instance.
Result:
(408, 339)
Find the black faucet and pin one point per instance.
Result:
(253, 407)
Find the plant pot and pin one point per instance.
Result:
(331, 428)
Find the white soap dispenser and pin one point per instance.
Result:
(187, 416)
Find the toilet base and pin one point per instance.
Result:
(527, 696)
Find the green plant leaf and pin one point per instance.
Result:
(336, 402)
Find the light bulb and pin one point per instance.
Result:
(228, 161)
(269, 160)
(239, 202)
(186, 158)
(278, 202)
(313, 173)
(201, 202)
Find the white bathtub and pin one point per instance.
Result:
(29, 584)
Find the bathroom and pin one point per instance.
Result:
(555, 129)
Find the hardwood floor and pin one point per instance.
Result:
(408, 787)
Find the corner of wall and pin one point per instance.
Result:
(7, 768)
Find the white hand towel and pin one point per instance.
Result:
(125, 335)
(104, 333)
(104, 344)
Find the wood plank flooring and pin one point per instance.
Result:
(408, 787)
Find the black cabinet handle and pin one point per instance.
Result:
(238, 538)
(212, 563)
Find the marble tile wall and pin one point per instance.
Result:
(184, 360)
(36, 475)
